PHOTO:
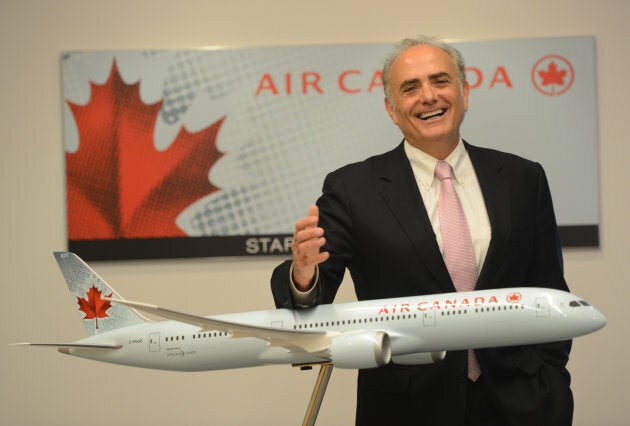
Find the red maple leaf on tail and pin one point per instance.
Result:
(94, 306)
(118, 184)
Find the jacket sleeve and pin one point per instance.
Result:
(546, 265)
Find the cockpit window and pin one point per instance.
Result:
(584, 303)
(574, 303)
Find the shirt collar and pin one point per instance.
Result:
(424, 165)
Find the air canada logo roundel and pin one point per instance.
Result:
(553, 75)
(514, 297)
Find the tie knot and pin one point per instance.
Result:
(443, 170)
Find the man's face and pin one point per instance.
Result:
(428, 101)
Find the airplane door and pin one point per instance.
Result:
(542, 307)
(154, 342)
(428, 318)
(277, 324)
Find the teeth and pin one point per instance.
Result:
(427, 115)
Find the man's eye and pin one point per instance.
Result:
(410, 90)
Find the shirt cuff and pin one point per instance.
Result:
(305, 299)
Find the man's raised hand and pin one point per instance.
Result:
(307, 241)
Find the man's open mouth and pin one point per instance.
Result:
(431, 114)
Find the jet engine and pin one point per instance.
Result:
(361, 349)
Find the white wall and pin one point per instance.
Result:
(40, 386)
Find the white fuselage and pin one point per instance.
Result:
(418, 324)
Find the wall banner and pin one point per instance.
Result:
(216, 152)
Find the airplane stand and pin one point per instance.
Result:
(318, 394)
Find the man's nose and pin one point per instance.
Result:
(427, 94)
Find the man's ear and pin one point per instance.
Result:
(466, 92)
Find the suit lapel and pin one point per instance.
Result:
(400, 190)
(496, 194)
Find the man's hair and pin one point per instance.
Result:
(405, 44)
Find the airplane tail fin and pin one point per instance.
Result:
(88, 291)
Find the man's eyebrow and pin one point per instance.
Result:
(440, 75)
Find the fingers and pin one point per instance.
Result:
(306, 228)
(308, 239)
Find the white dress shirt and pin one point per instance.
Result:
(467, 188)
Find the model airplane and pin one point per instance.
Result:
(408, 330)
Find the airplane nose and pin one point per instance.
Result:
(588, 318)
(599, 320)
(591, 321)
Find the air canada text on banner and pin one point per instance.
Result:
(354, 82)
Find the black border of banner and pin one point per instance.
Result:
(246, 246)
(579, 235)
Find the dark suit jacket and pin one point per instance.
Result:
(377, 227)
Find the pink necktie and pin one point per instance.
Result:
(459, 256)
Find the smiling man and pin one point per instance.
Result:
(435, 215)
(426, 97)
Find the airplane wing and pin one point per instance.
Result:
(70, 345)
(310, 341)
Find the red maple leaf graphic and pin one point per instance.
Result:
(552, 75)
(119, 185)
(94, 306)
(514, 297)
